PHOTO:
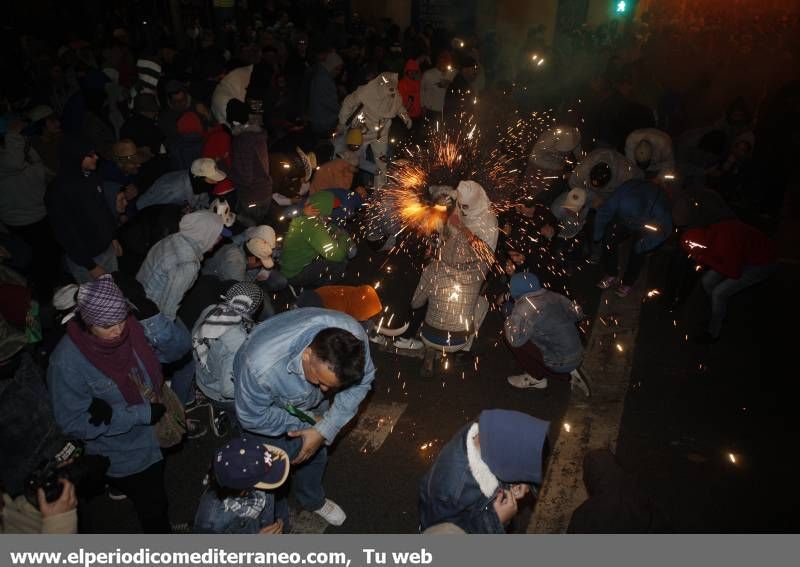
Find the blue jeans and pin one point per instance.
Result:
(306, 479)
(171, 341)
(721, 289)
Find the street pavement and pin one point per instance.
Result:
(708, 431)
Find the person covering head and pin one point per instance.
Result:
(576, 199)
(512, 445)
(207, 167)
(247, 463)
(238, 307)
(112, 340)
(204, 228)
(474, 208)
(523, 283)
(261, 243)
(101, 303)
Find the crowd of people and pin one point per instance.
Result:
(177, 226)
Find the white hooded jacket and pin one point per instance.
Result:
(381, 102)
(663, 160)
(622, 170)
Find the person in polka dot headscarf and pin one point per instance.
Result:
(240, 497)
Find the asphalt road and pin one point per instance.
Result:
(687, 410)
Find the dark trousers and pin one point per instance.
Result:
(530, 359)
(616, 235)
(319, 272)
(148, 495)
(46, 265)
(417, 316)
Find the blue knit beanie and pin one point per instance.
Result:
(524, 282)
(511, 445)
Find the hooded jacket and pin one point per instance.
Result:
(410, 89)
(232, 85)
(464, 480)
(173, 188)
(547, 319)
(76, 206)
(662, 160)
(172, 265)
(727, 247)
(309, 237)
(380, 101)
(641, 207)
(621, 171)
(553, 146)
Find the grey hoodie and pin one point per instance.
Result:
(172, 265)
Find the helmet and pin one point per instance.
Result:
(223, 209)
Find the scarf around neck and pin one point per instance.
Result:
(119, 358)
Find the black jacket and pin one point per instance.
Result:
(76, 206)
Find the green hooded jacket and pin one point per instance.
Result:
(309, 237)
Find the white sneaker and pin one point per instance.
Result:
(409, 344)
(377, 339)
(527, 381)
(332, 513)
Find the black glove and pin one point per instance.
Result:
(100, 412)
(157, 411)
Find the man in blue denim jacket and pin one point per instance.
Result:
(289, 363)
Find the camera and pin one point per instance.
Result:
(83, 470)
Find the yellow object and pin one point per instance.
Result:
(354, 137)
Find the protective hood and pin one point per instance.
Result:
(203, 228)
(380, 96)
(478, 217)
(411, 65)
(512, 445)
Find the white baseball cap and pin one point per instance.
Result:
(207, 167)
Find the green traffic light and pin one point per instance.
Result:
(622, 6)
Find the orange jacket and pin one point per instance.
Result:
(410, 89)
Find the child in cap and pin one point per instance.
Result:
(482, 472)
(240, 497)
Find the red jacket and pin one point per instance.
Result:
(728, 246)
(410, 89)
(217, 145)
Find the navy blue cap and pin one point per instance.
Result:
(246, 462)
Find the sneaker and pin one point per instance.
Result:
(220, 422)
(195, 429)
(408, 344)
(578, 380)
(525, 381)
(115, 494)
(377, 339)
(332, 513)
(607, 282)
(623, 290)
